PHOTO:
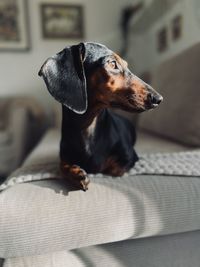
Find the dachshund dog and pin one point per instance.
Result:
(88, 79)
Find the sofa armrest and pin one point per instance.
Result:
(13, 149)
(18, 127)
(48, 216)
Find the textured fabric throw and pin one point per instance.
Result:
(173, 164)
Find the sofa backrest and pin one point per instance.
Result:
(178, 117)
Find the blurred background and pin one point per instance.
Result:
(159, 39)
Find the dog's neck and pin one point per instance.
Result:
(85, 121)
(91, 115)
(95, 107)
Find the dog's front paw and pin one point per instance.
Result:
(76, 176)
(80, 177)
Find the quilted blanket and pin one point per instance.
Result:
(171, 164)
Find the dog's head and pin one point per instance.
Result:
(93, 69)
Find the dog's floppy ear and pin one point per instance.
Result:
(65, 78)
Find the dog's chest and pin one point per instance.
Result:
(89, 135)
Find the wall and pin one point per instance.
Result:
(143, 47)
(18, 71)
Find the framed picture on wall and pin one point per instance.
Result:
(177, 27)
(13, 25)
(162, 39)
(60, 21)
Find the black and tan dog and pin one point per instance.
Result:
(87, 79)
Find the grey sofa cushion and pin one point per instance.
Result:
(166, 251)
(178, 117)
(151, 143)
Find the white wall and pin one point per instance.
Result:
(18, 70)
(143, 49)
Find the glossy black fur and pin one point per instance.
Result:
(112, 137)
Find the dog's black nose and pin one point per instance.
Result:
(155, 99)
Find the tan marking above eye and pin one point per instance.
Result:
(122, 62)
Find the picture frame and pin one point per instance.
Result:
(177, 27)
(14, 25)
(62, 21)
(162, 40)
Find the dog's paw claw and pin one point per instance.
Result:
(76, 177)
(84, 183)
(82, 180)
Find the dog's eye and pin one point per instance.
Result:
(113, 65)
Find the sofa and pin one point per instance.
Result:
(21, 126)
(129, 221)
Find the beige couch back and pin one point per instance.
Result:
(178, 117)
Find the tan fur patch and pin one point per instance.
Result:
(111, 167)
(122, 62)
